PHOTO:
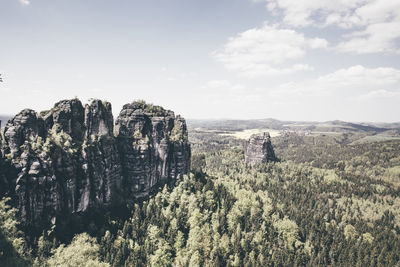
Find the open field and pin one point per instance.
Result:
(316, 133)
(376, 138)
(245, 134)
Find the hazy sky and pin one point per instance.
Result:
(284, 59)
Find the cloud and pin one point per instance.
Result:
(25, 2)
(376, 38)
(344, 13)
(266, 50)
(355, 81)
(374, 23)
(355, 93)
(380, 94)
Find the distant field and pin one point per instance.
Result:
(376, 138)
(245, 134)
(314, 133)
(296, 125)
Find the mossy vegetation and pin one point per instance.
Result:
(177, 135)
(37, 144)
(14, 250)
(83, 251)
(54, 138)
(151, 108)
(2, 134)
(137, 134)
(105, 104)
(62, 140)
(44, 113)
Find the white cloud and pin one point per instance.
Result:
(355, 93)
(25, 2)
(344, 13)
(375, 22)
(379, 94)
(266, 50)
(377, 11)
(318, 43)
(354, 81)
(378, 37)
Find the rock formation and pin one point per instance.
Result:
(71, 158)
(153, 146)
(258, 149)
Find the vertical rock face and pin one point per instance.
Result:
(98, 118)
(66, 116)
(102, 174)
(3, 180)
(258, 149)
(24, 125)
(67, 160)
(153, 146)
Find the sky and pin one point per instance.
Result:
(309, 60)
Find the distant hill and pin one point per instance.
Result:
(328, 126)
(393, 125)
(237, 125)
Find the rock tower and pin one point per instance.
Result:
(72, 158)
(258, 149)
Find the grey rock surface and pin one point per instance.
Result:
(258, 149)
(153, 146)
(70, 159)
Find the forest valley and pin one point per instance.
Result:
(326, 202)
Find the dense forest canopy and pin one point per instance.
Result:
(328, 202)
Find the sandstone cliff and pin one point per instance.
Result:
(258, 149)
(72, 158)
(153, 146)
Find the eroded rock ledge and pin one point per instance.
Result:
(72, 158)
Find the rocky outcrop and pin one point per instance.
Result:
(3, 180)
(67, 160)
(258, 149)
(153, 146)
